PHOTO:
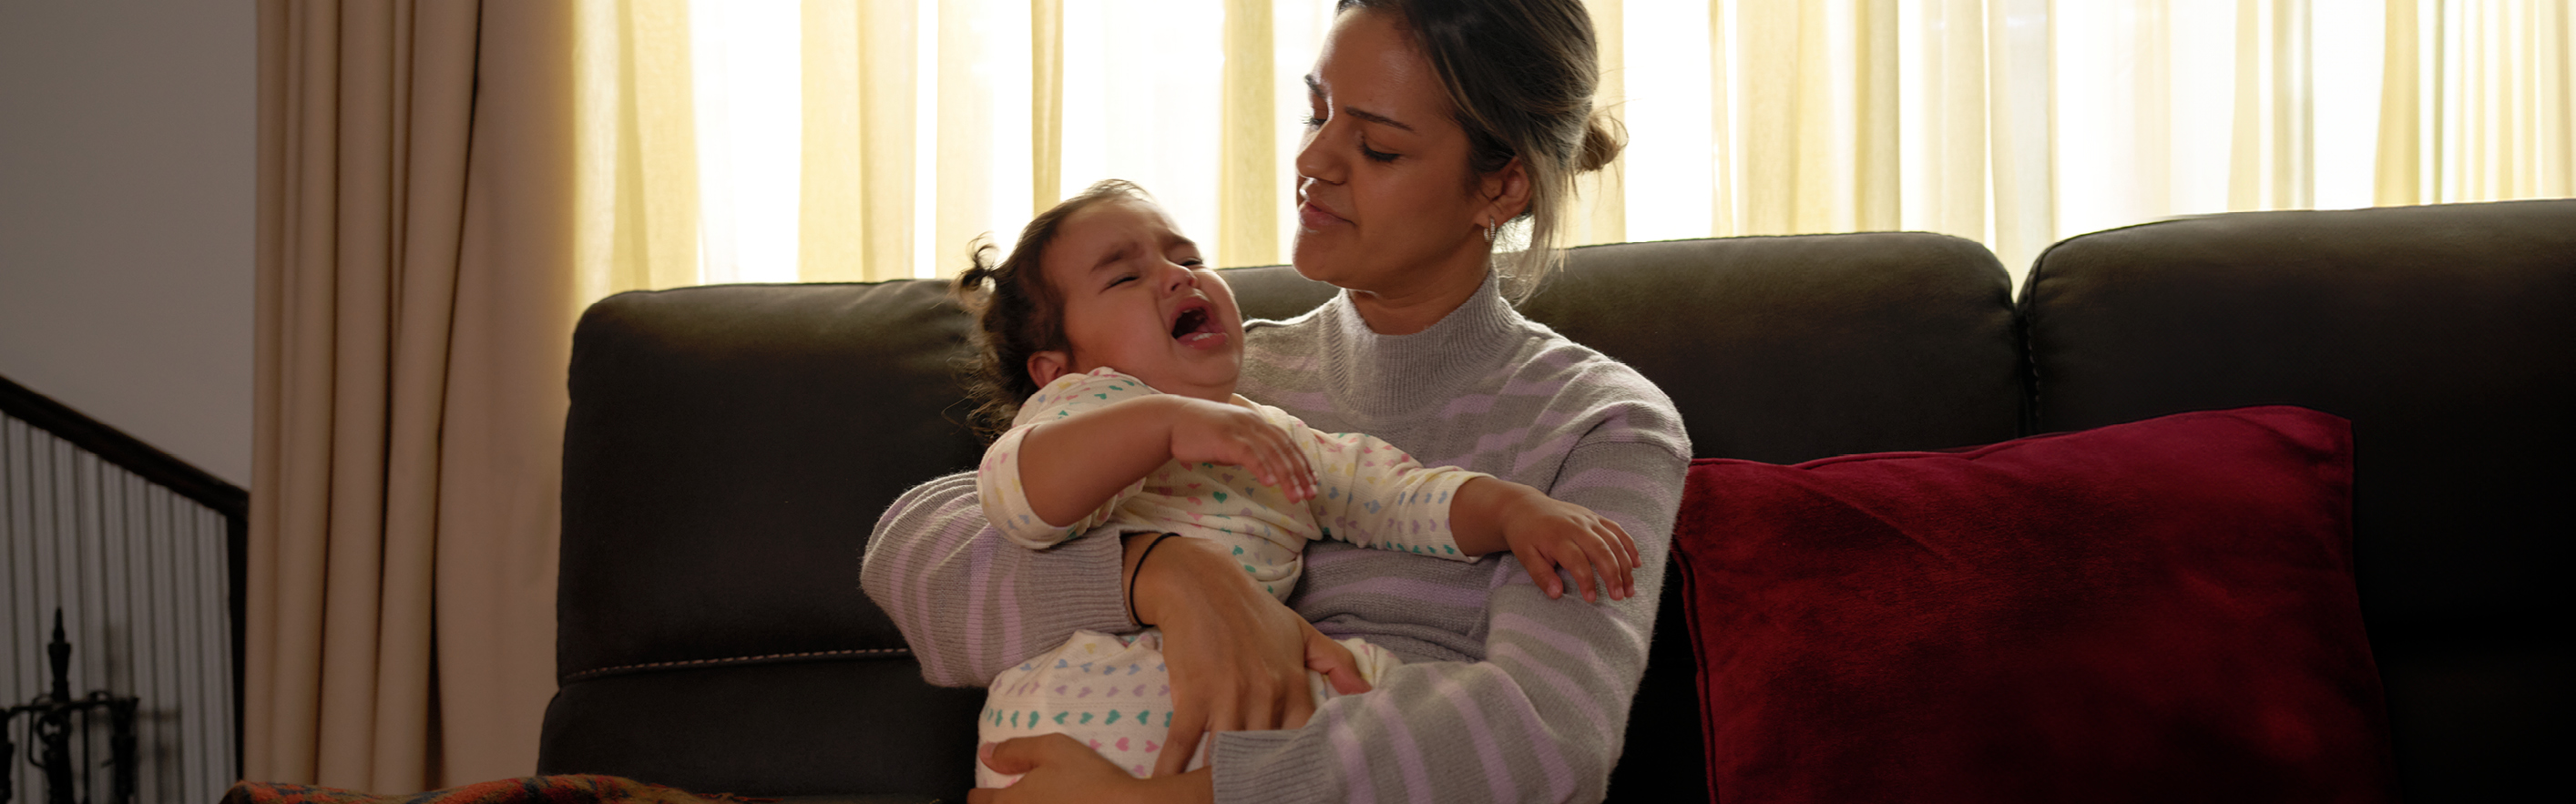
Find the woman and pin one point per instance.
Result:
(1437, 126)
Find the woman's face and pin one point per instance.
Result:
(1387, 203)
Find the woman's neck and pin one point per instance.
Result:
(1411, 309)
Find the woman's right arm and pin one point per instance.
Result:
(972, 604)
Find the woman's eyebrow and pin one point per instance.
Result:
(1315, 87)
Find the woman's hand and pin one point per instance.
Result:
(1238, 658)
(1057, 768)
(1221, 433)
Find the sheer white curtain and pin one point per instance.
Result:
(788, 140)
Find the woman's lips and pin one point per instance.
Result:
(1314, 216)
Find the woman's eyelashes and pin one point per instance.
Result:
(1315, 121)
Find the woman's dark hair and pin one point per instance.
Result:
(1520, 75)
(1017, 313)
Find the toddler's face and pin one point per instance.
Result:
(1138, 299)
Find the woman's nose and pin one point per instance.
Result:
(1315, 161)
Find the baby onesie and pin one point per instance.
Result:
(1113, 691)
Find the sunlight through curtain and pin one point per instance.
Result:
(841, 140)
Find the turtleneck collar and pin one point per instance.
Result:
(1366, 371)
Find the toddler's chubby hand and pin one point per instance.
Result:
(1216, 432)
(1545, 534)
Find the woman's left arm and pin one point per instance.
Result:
(1541, 719)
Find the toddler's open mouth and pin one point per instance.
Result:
(1193, 323)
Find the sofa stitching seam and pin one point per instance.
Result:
(625, 668)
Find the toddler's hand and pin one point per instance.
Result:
(1216, 432)
(1545, 533)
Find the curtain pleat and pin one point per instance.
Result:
(2398, 175)
(831, 230)
(964, 152)
(2555, 105)
(1819, 84)
(502, 435)
(2475, 102)
(1046, 104)
(1247, 159)
(1877, 199)
(1944, 184)
(1601, 198)
(889, 37)
(2021, 128)
(409, 390)
(637, 107)
(1726, 159)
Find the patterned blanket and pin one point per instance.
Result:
(569, 789)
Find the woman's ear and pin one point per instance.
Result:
(1507, 191)
(1045, 367)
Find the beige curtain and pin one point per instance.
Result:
(1601, 198)
(2015, 123)
(2475, 102)
(636, 167)
(1248, 190)
(414, 312)
(855, 222)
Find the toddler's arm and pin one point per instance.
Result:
(1490, 514)
(1373, 495)
(1078, 468)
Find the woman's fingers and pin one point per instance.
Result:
(1182, 741)
(1052, 767)
(1340, 668)
(1013, 756)
(1237, 656)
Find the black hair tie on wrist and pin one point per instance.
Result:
(1139, 571)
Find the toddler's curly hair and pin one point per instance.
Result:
(1017, 312)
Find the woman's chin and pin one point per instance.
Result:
(1320, 262)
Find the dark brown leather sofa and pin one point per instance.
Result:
(730, 447)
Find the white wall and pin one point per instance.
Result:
(127, 188)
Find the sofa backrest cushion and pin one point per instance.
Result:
(727, 452)
(1782, 349)
(2444, 334)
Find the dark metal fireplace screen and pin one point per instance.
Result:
(143, 555)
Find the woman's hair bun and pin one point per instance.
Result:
(1603, 138)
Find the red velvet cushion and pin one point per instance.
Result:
(2154, 611)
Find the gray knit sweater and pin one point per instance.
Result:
(1505, 694)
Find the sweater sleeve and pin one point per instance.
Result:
(972, 604)
(1541, 718)
(1375, 495)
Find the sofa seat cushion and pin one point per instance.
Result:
(2161, 610)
